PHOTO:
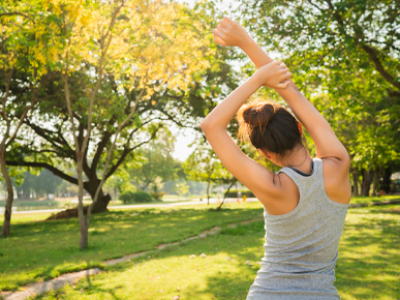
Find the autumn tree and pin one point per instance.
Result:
(181, 99)
(24, 53)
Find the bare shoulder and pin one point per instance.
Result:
(286, 196)
(336, 174)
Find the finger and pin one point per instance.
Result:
(283, 85)
(284, 70)
(227, 20)
(219, 33)
(222, 29)
(288, 75)
(218, 40)
(285, 76)
(224, 24)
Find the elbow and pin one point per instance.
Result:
(345, 158)
(205, 126)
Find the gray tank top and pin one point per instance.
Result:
(301, 246)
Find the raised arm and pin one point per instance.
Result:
(229, 33)
(256, 177)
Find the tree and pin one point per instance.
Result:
(204, 165)
(178, 96)
(23, 46)
(182, 188)
(158, 162)
(347, 51)
(156, 57)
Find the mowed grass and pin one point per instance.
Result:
(366, 200)
(368, 266)
(38, 250)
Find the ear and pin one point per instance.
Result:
(300, 128)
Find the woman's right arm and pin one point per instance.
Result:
(327, 144)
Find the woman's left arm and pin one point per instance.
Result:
(256, 177)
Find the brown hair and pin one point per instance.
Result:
(269, 126)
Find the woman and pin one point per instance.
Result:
(305, 204)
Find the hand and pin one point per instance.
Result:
(274, 75)
(229, 33)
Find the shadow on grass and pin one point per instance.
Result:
(367, 268)
(43, 250)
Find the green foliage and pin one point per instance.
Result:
(147, 64)
(141, 197)
(182, 188)
(127, 197)
(233, 193)
(155, 193)
(135, 197)
(157, 164)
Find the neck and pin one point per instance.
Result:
(299, 159)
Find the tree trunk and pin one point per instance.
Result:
(377, 185)
(83, 226)
(226, 192)
(386, 184)
(208, 190)
(5, 231)
(368, 176)
(103, 199)
(355, 182)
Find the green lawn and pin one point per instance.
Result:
(64, 203)
(42, 250)
(368, 265)
(367, 268)
(363, 199)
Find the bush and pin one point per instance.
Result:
(157, 195)
(127, 197)
(142, 197)
(135, 197)
(233, 193)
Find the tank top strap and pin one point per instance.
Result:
(306, 182)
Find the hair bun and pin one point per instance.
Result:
(258, 115)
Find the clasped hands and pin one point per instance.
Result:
(274, 75)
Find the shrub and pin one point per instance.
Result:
(142, 197)
(127, 197)
(135, 197)
(233, 193)
(157, 195)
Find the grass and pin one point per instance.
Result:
(65, 203)
(41, 250)
(367, 267)
(363, 199)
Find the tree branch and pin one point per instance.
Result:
(17, 13)
(374, 57)
(52, 169)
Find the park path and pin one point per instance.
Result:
(40, 288)
(212, 200)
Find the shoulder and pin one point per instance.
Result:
(336, 175)
(283, 198)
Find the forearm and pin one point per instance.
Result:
(227, 109)
(255, 53)
(308, 115)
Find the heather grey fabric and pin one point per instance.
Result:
(301, 246)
